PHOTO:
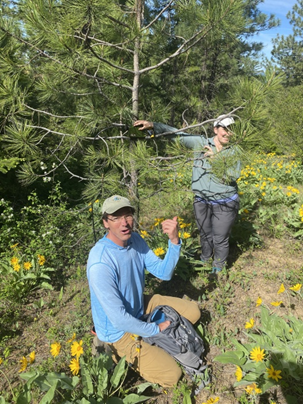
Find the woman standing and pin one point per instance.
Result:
(216, 200)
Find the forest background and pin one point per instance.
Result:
(74, 76)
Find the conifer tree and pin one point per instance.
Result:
(79, 73)
(287, 51)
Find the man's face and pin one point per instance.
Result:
(120, 226)
(223, 134)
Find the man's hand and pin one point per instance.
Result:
(170, 227)
(164, 325)
(144, 125)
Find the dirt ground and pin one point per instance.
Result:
(226, 304)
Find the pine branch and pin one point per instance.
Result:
(46, 55)
(188, 44)
(52, 115)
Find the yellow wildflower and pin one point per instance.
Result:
(158, 220)
(23, 362)
(253, 388)
(238, 374)
(273, 373)
(72, 338)
(14, 261)
(186, 235)
(41, 260)
(258, 302)
(17, 267)
(159, 251)
(296, 288)
(14, 246)
(276, 304)
(77, 349)
(250, 323)
(257, 354)
(144, 233)
(32, 357)
(74, 366)
(1, 361)
(27, 265)
(55, 349)
(282, 289)
(212, 400)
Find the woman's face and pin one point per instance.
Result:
(223, 134)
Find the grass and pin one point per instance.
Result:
(226, 304)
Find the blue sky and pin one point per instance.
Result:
(280, 8)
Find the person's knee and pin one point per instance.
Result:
(157, 300)
(171, 377)
(195, 313)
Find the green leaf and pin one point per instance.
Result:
(143, 386)
(75, 381)
(118, 372)
(253, 366)
(28, 276)
(240, 347)
(45, 285)
(235, 357)
(47, 399)
(187, 398)
(102, 382)
(114, 400)
(291, 399)
(44, 276)
(134, 398)
(268, 384)
(251, 377)
(25, 396)
(87, 383)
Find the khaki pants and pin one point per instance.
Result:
(153, 363)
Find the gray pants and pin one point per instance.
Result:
(214, 223)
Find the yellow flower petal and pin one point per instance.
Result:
(273, 373)
(257, 354)
(239, 374)
(24, 363)
(296, 288)
(55, 349)
(32, 357)
(250, 323)
(77, 349)
(74, 366)
(258, 302)
(276, 304)
(282, 289)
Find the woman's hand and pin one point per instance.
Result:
(209, 152)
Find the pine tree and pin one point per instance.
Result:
(287, 51)
(81, 71)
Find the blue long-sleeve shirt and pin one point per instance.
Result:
(116, 277)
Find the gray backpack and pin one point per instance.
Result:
(179, 339)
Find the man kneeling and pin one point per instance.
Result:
(116, 276)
